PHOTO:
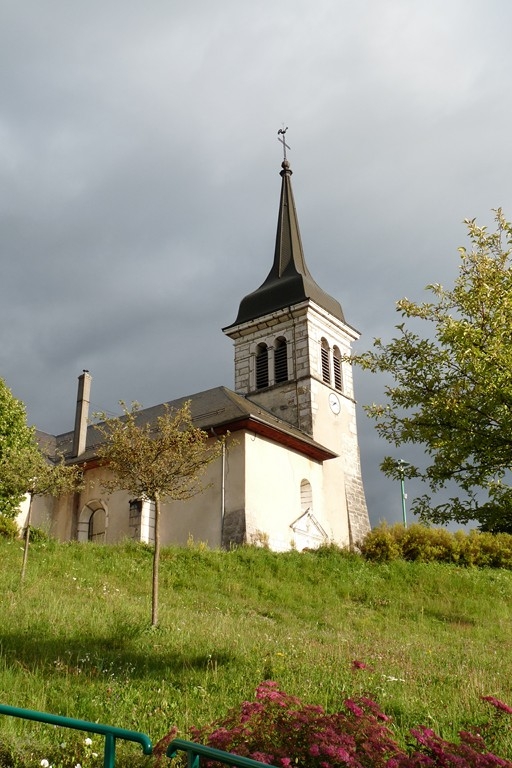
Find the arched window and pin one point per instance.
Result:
(336, 364)
(306, 496)
(92, 523)
(97, 522)
(280, 360)
(326, 366)
(261, 366)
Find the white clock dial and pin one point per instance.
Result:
(334, 403)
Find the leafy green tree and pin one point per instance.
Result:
(17, 445)
(156, 461)
(46, 478)
(452, 385)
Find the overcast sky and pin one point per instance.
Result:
(139, 169)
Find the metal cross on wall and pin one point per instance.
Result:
(280, 137)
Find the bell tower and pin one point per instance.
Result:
(290, 340)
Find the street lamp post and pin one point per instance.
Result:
(401, 469)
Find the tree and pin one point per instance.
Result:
(46, 478)
(156, 461)
(452, 386)
(17, 445)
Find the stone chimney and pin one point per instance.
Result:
(82, 413)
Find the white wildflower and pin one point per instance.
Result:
(88, 742)
(44, 763)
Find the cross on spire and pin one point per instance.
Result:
(280, 137)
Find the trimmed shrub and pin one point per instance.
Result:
(428, 545)
(421, 544)
(8, 528)
(381, 544)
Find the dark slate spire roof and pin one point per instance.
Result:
(289, 281)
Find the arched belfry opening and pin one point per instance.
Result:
(280, 360)
(261, 366)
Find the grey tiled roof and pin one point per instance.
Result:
(215, 410)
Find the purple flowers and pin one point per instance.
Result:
(360, 665)
(278, 729)
(500, 705)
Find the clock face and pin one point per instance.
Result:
(334, 403)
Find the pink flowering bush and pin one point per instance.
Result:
(500, 705)
(279, 729)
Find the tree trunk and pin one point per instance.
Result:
(27, 539)
(156, 564)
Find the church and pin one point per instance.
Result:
(289, 475)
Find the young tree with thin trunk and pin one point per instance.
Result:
(46, 478)
(157, 461)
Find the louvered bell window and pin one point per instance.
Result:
(261, 366)
(326, 368)
(336, 364)
(280, 360)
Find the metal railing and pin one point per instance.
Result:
(196, 751)
(110, 732)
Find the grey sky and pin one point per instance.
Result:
(139, 179)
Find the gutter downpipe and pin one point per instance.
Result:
(223, 492)
(222, 486)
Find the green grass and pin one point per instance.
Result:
(75, 639)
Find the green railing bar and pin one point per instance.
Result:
(110, 732)
(196, 751)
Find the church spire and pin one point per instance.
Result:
(289, 281)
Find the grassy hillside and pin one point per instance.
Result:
(75, 639)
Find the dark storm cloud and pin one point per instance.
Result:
(139, 169)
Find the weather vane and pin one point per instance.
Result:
(280, 137)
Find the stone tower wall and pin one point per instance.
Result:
(303, 400)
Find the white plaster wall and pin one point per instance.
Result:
(200, 517)
(42, 513)
(338, 431)
(21, 517)
(63, 523)
(68, 510)
(273, 478)
(262, 483)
